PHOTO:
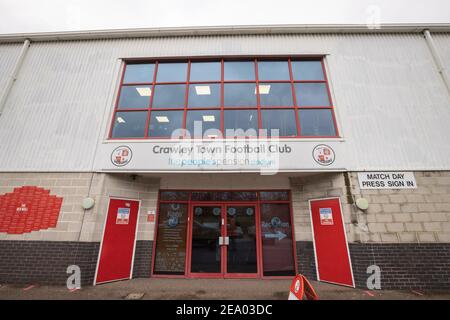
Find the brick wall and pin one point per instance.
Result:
(143, 259)
(46, 262)
(419, 215)
(306, 259)
(403, 266)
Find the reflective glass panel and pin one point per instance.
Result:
(135, 73)
(312, 94)
(164, 123)
(239, 71)
(275, 94)
(281, 119)
(205, 71)
(129, 124)
(169, 96)
(240, 95)
(241, 123)
(273, 70)
(317, 122)
(204, 95)
(135, 97)
(307, 70)
(171, 72)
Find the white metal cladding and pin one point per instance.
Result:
(8, 56)
(392, 105)
(442, 41)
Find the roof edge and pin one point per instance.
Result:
(222, 30)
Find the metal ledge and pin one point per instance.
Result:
(221, 30)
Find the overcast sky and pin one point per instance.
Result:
(63, 15)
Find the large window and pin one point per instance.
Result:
(213, 98)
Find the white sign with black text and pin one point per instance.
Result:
(387, 180)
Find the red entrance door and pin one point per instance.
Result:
(118, 243)
(330, 242)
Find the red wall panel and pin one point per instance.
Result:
(27, 209)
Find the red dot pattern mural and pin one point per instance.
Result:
(27, 209)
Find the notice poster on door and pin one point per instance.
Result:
(326, 216)
(123, 216)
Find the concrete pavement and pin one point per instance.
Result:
(216, 289)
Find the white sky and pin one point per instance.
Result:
(64, 15)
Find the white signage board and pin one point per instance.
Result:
(387, 180)
(265, 156)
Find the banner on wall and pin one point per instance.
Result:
(266, 156)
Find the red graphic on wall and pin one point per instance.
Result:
(27, 209)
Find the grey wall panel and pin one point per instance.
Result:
(391, 103)
(8, 56)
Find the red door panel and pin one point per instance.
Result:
(333, 260)
(117, 247)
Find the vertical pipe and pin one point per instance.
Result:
(12, 78)
(437, 58)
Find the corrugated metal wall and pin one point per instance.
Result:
(391, 102)
(8, 57)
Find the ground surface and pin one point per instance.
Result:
(204, 289)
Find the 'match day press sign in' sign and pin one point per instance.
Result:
(387, 180)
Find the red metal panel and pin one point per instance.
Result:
(27, 209)
(330, 243)
(117, 249)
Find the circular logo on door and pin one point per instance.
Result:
(231, 211)
(172, 221)
(121, 156)
(323, 155)
(198, 211)
(275, 222)
(216, 211)
(249, 211)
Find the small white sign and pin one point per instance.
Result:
(326, 216)
(123, 216)
(387, 180)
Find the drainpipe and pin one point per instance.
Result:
(437, 58)
(12, 78)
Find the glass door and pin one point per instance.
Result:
(206, 254)
(241, 241)
(224, 241)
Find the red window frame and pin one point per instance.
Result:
(257, 203)
(296, 107)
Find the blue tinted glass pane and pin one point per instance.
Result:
(171, 72)
(204, 95)
(205, 71)
(273, 70)
(169, 96)
(283, 120)
(135, 73)
(129, 124)
(240, 95)
(135, 97)
(241, 123)
(275, 94)
(316, 122)
(204, 121)
(164, 123)
(312, 94)
(307, 70)
(239, 70)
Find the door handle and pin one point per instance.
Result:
(224, 241)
